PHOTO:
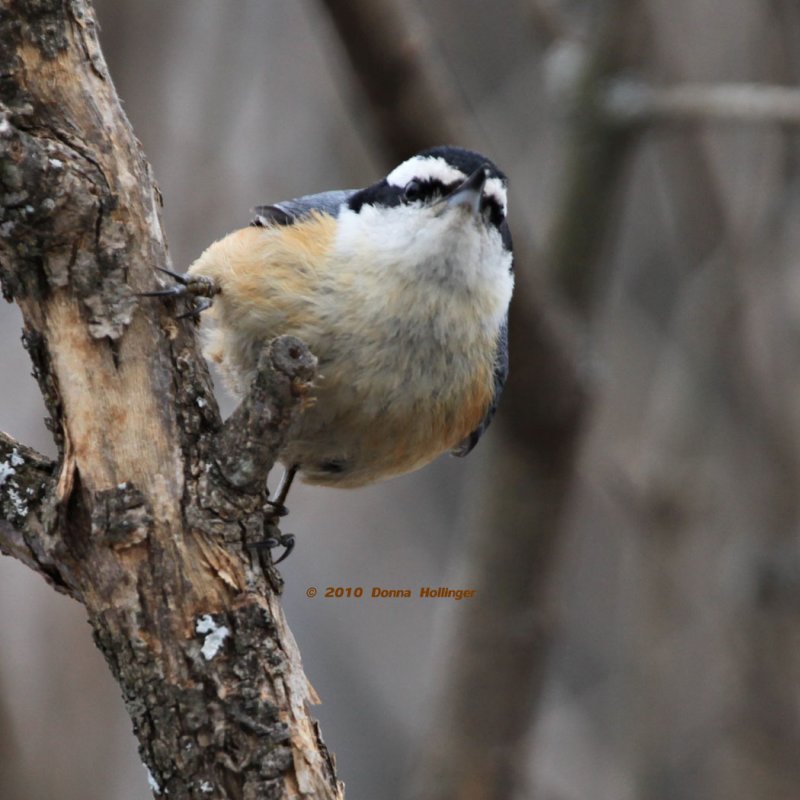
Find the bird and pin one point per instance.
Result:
(400, 289)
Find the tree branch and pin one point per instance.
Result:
(137, 520)
(27, 512)
(598, 150)
(549, 24)
(246, 447)
(412, 104)
(630, 102)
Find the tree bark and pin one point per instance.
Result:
(138, 520)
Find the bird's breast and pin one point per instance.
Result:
(406, 360)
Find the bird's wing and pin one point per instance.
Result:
(500, 375)
(287, 212)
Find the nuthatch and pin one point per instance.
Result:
(401, 290)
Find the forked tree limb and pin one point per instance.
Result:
(138, 520)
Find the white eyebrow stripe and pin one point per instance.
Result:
(495, 189)
(436, 168)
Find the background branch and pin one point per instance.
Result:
(597, 151)
(394, 62)
(630, 102)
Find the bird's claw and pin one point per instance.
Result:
(191, 286)
(278, 507)
(285, 540)
(197, 309)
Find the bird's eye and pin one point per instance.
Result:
(412, 191)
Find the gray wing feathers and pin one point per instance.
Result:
(500, 375)
(287, 212)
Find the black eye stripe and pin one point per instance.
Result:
(423, 189)
(426, 191)
(418, 189)
(496, 214)
(413, 191)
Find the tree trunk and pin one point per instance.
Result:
(139, 520)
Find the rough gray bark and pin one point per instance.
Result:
(139, 520)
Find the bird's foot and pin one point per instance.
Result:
(285, 540)
(198, 288)
(276, 510)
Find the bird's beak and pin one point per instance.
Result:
(468, 194)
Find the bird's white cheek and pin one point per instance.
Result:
(433, 242)
(380, 236)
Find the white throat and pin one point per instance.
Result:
(431, 255)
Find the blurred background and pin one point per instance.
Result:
(631, 519)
